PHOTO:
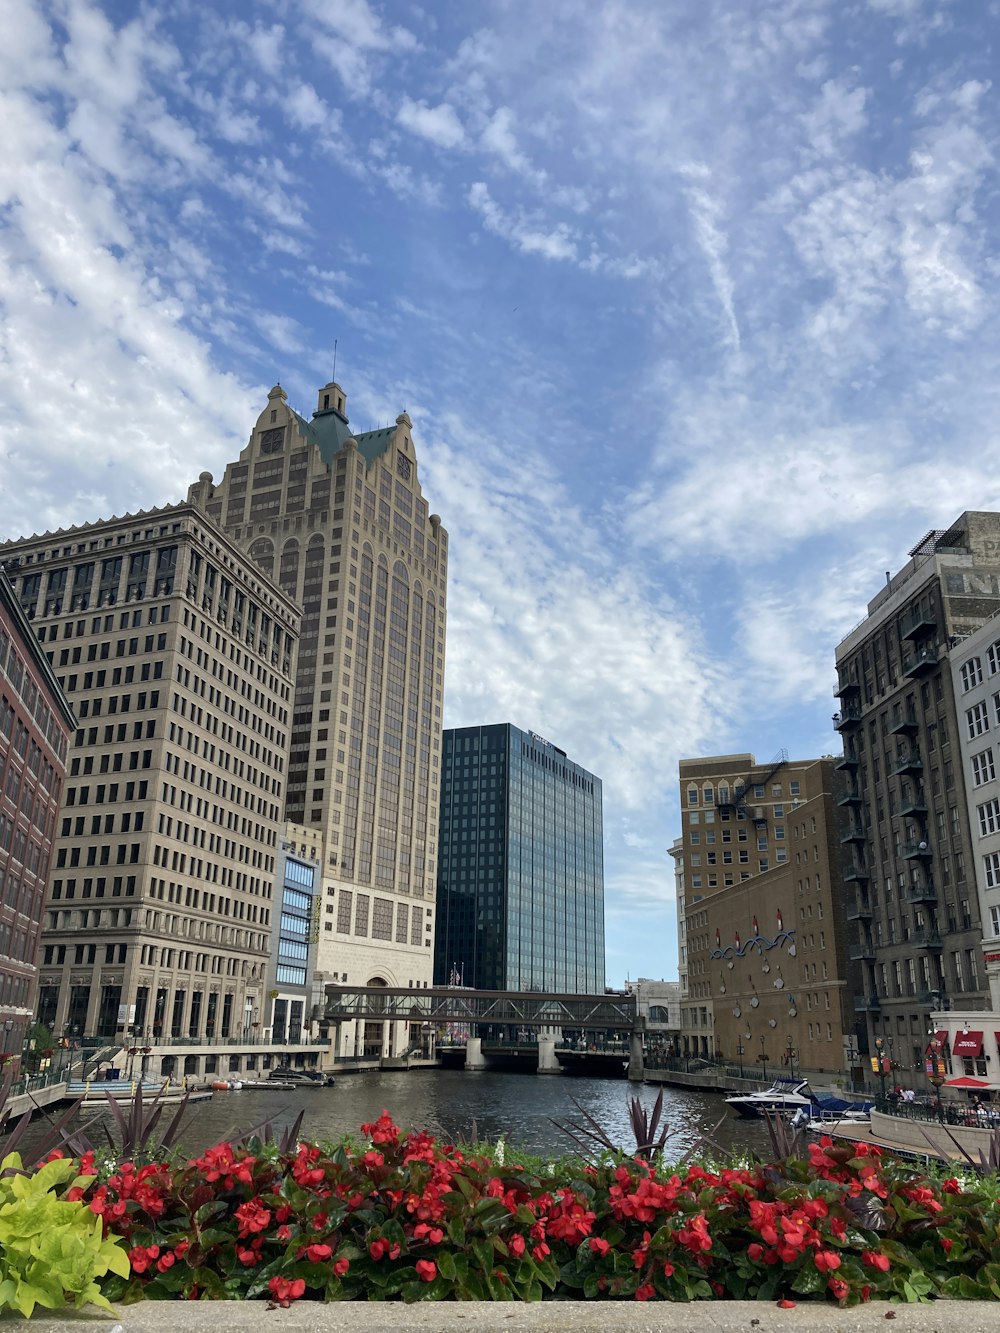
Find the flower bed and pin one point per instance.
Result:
(406, 1217)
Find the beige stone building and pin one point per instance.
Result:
(764, 912)
(340, 521)
(177, 655)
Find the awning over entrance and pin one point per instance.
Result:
(964, 1081)
(968, 1045)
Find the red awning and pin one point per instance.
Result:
(969, 1045)
(941, 1035)
(997, 1035)
(965, 1082)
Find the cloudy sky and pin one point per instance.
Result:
(693, 305)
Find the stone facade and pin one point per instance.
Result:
(177, 655)
(340, 521)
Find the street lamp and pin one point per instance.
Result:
(935, 1067)
(791, 1055)
(8, 1027)
(881, 1063)
(739, 1052)
(763, 1058)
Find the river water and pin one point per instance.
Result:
(460, 1105)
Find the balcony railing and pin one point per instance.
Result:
(914, 804)
(867, 1004)
(926, 939)
(920, 620)
(907, 763)
(860, 910)
(853, 834)
(924, 660)
(907, 725)
(850, 797)
(846, 761)
(846, 687)
(856, 875)
(862, 953)
(916, 851)
(848, 717)
(921, 893)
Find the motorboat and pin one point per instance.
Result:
(783, 1095)
(307, 1078)
(833, 1115)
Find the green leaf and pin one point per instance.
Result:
(446, 1264)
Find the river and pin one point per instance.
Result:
(459, 1105)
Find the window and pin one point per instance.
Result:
(993, 657)
(989, 817)
(972, 673)
(977, 719)
(991, 864)
(982, 767)
(995, 921)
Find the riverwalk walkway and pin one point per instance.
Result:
(544, 1317)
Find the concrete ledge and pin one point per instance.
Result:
(545, 1317)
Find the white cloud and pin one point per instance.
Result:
(438, 124)
(706, 218)
(555, 243)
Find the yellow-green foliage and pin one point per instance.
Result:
(51, 1249)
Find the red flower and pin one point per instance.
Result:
(786, 1305)
(875, 1260)
(839, 1288)
(516, 1245)
(285, 1289)
(668, 1270)
(646, 1292)
(599, 1246)
(426, 1270)
(755, 1252)
(317, 1253)
(828, 1260)
(252, 1217)
(341, 1266)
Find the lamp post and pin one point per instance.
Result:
(763, 1058)
(8, 1027)
(739, 1052)
(935, 1067)
(791, 1055)
(880, 1062)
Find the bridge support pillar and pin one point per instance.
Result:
(474, 1058)
(547, 1062)
(636, 1070)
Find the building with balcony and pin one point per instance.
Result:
(36, 723)
(909, 720)
(766, 936)
(521, 875)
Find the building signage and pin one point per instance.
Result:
(540, 739)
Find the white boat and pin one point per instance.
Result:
(783, 1095)
(840, 1125)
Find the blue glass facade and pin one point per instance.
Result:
(520, 897)
(294, 952)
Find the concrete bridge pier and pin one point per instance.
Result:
(636, 1071)
(547, 1062)
(474, 1058)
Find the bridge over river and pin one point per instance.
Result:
(501, 1023)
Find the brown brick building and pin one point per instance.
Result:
(36, 723)
(764, 911)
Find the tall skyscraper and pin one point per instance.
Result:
(767, 965)
(918, 928)
(177, 656)
(341, 522)
(521, 875)
(36, 723)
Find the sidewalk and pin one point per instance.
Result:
(545, 1317)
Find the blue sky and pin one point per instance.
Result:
(694, 307)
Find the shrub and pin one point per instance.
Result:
(403, 1216)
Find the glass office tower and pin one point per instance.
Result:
(520, 891)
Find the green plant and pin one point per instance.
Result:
(52, 1251)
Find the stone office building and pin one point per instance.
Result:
(36, 723)
(339, 519)
(177, 654)
(914, 907)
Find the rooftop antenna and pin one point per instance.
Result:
(335, 360)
